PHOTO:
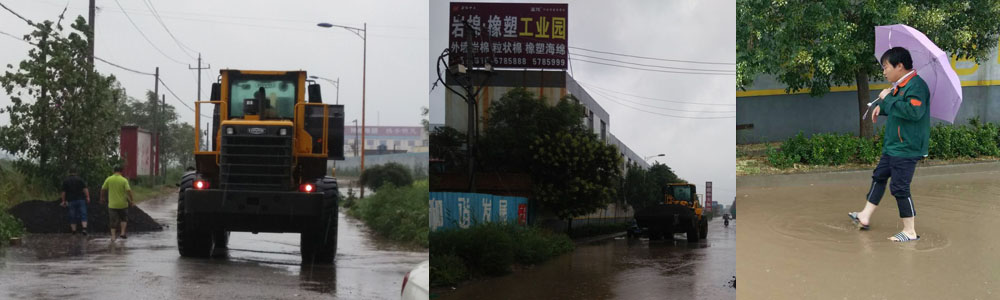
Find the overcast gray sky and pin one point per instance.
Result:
(255, 34)
(698, 150)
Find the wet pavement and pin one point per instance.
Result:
(796, 241)
(147, 266)
(623, 269)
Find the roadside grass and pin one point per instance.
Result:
(490, 249)
(397, 213)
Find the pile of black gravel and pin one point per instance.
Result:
(49, 217)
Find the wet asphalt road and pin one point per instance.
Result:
(148, 266)
(796, 241)
(624, 269)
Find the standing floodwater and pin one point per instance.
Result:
(624, 269)
(796, 241)
(147, 266)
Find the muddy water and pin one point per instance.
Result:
(623, 269)
(796, 241)
(147, 266)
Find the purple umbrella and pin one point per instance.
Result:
(931, 64)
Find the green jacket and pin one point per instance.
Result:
(908, 130)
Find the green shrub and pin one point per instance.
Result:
(535, 245)
(9, 225)
(391, 173)
(398, 213)
(489, 249)
(447, 270)
(946, 142)
(780, 159)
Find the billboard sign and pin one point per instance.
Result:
(509, 35)
(708, 196)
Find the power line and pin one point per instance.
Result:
(178, 98)
(654, 66)
(144, 34)
(123, 68)
(653, 58)
(156, 15)
(654, 70)
(659, 107)
(18, 15)
(651, 98)
(666, 115)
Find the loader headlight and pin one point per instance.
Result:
(283, 131)
(229, 130)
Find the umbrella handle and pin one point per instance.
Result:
(865, 116)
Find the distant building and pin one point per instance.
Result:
(393, 139)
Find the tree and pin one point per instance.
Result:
(154, 115)
(645, 187)
(393, 173)
(574, 173)
(62, 112)
(515, 122)
(178, 145)
(818, 44)
(446, 144)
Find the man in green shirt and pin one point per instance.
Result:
(115, 190)
(907, 138)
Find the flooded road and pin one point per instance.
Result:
(624, 269)
(796, 241)
(147, 266)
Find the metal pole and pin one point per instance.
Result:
(364, 62)
(338, 90)
(156, 132)
(199, 68)
(159, 166)
(93, 33)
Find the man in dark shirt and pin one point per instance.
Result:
(74, 193)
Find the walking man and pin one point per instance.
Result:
(907, 133)
(74, 193)
(115, 190)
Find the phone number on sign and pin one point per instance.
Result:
(548, 62)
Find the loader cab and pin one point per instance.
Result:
(680, 193)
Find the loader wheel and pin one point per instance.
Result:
(704, 228)
(692, 232)
(190, 242)
(319, 245)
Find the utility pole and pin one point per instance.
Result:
(159, 165)
(93, 33)
(156, 133)
(199, 68)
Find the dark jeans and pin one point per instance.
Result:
(77, 211)
(900, 169)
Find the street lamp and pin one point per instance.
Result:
(335, 83)
(363, 34)
(652, 156)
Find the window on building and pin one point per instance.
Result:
(370, 142)
(412, 143)
(604, 131)
(590, 121)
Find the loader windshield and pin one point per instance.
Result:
(279, 96)
(681, 192)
